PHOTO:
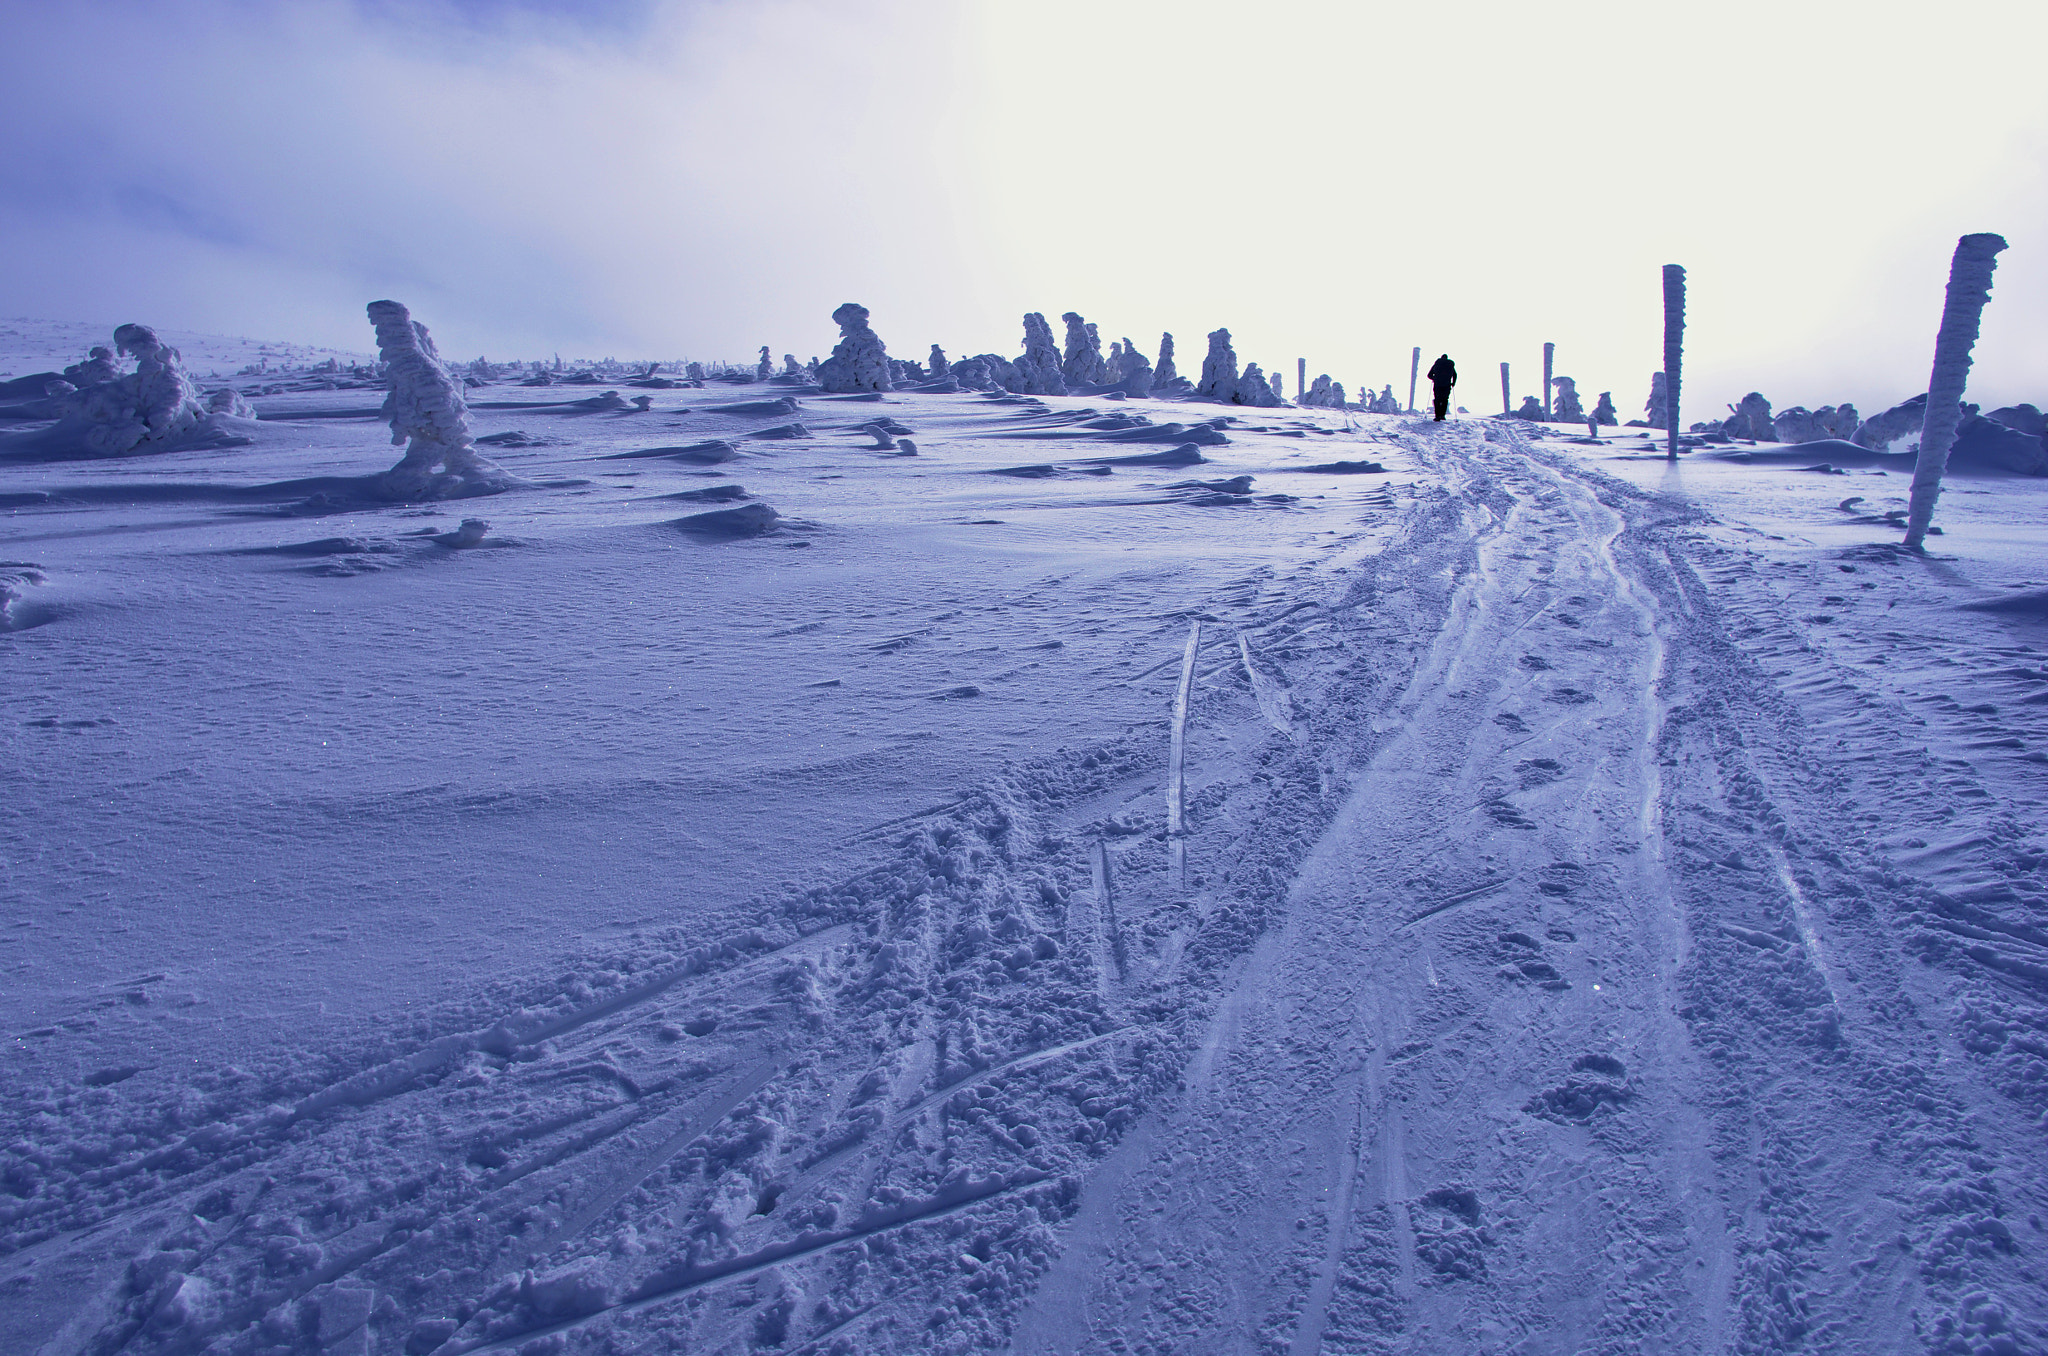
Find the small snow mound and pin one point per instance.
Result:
(747, 520)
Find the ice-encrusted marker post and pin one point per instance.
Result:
(1674, 352)
(1549, 353)
(1414, 367)
(1969, 287)
(1507, 403)
(1300, 378)
(1176, 780)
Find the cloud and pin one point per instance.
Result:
(1331, 181)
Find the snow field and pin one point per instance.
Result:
(1597, 921)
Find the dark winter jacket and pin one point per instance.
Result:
(1443, 372)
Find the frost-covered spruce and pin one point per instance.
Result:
(1751, 419)
(1254, 388)
(1837, 421)
(1219, 370)
(790, 366)
(693, 371)
(1969, 288)
(938, 366)
(1130, 371)
(1164, 371)
(427, 415)
(1656, 410)
(1604, 411)
(858, 361)
(1322, 393)
(764, 368)
(1565, 408)
(1081, 362)
(1038, 368)
(97, 367)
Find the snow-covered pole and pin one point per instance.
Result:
(1414, 366)
(1506, 404)
(1969, 287)
(1300, 378)
(1549, 352)
(1674, 351)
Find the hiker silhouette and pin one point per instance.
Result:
(1443, 375)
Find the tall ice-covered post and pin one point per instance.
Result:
(1300, 378)
(1414, 366)
(1674, 349)
(1969, 287)
(1549, 354)
(1506, 404)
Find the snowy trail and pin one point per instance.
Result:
(1483, 912)
(1338, 1136)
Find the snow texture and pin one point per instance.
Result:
(858, 362)
(1969, 288)
(1546, 904)
(427, 416)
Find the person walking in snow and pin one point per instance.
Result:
(1443, 375)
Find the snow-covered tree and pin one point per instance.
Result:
(427, 415)
(1565, 407)
(1163, 371)
(1081, 364)
(1604, 411)
(1038, 368)
(1219, 369)
(859, 362)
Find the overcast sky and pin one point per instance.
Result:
(1331, 181)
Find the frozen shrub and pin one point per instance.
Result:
(1532, 409)
(1565, 408)
(1604, 411)
(790, 366)
(1038, 370)
(764, 369)
(230, 402)
(427, 415)
(938, 365)
(97, 367)
(1751, 419)
(858, 362)
(1219, 369)
(694, 371)
(156, 403)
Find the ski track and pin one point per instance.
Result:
(1527, 933)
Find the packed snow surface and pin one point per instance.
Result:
(913, 873)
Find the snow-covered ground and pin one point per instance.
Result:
(1606, 912)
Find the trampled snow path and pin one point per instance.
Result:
(1551, 972)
